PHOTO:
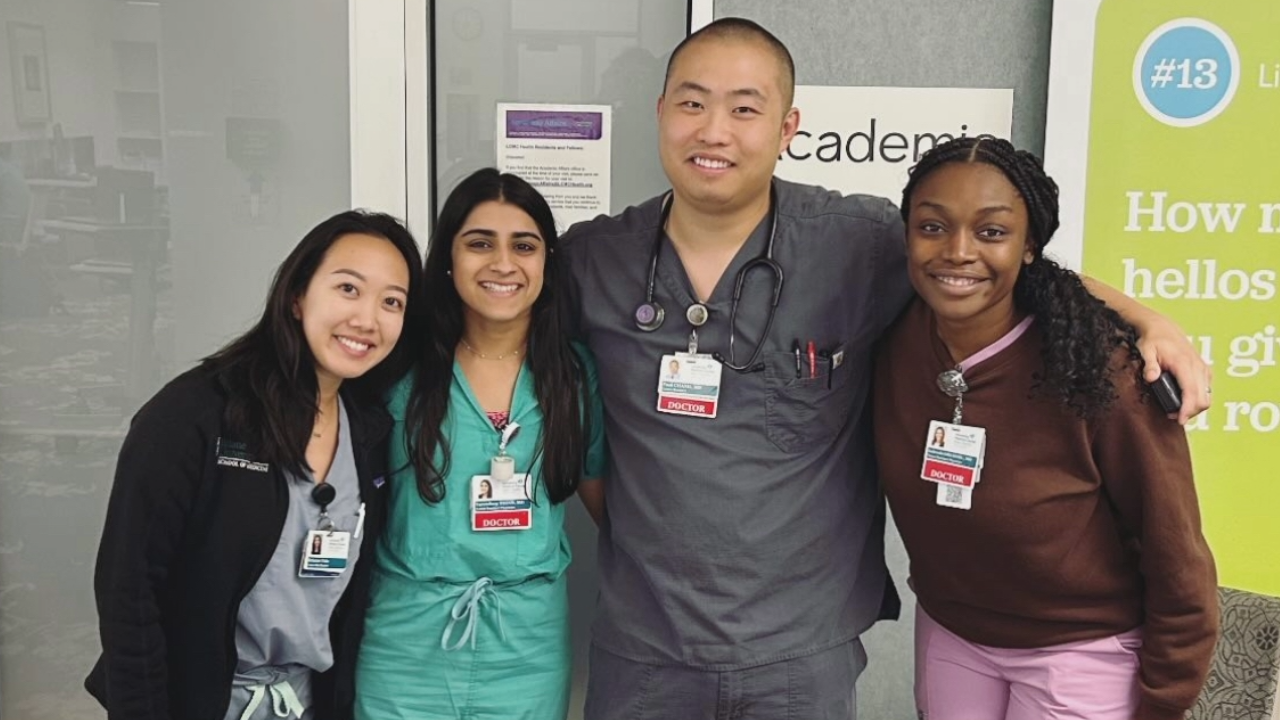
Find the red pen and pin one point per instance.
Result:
(813, 361)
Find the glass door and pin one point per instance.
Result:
(466, 56)
(158, 158)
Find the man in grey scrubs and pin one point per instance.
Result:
(742, 554)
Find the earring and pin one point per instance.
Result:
(449, 273)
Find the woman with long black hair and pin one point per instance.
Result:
(234, 566)
(496, 428)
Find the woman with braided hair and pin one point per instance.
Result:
(1055, 542)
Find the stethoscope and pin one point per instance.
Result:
(649, 315)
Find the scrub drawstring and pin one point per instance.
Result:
(284, 701)
(467, 608)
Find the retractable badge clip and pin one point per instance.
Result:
(502, 466)
(323, 494)
(951, 382)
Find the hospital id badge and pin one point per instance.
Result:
(498, 505)
(689, 384)
(953, 454)
(325, 554)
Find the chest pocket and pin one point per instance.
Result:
(803, 413)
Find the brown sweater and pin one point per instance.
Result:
(1079, 529)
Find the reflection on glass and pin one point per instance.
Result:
(566, 51)
(157, 158)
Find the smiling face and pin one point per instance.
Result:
(723, 119)
(352, 310)
(499, 258)
(966, 244)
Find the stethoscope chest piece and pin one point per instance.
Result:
(649, 316)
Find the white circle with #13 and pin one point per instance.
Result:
(1186, 72)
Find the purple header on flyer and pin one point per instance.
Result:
(555, 125)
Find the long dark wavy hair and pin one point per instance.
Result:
(268, 374)
(558, 373)
(1080, 333)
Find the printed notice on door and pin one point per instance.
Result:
(563, 151)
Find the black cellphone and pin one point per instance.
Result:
(1167, 392)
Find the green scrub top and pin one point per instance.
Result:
(435, 542)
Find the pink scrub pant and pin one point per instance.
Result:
(1088, 680)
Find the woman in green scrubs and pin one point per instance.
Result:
(499, 424)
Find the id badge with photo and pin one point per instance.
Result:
(325, 554)
(953, 454)
(501, 504)
(689, 384)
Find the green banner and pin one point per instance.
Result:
(1182, 211)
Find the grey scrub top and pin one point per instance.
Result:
(756, 536)
(282, 628)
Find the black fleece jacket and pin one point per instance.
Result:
(185, 540)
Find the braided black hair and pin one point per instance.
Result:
(1080, 333)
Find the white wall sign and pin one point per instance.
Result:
(563, 151)
(865, 139)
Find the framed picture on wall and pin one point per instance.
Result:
(30, 73)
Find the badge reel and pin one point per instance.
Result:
(697, 314)
(952, 384)
(323, 494)
(500, 500)
(954, 452)
(502, 467)
(326, 550)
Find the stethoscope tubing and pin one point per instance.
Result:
(650, 315)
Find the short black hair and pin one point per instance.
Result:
(735, 28)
